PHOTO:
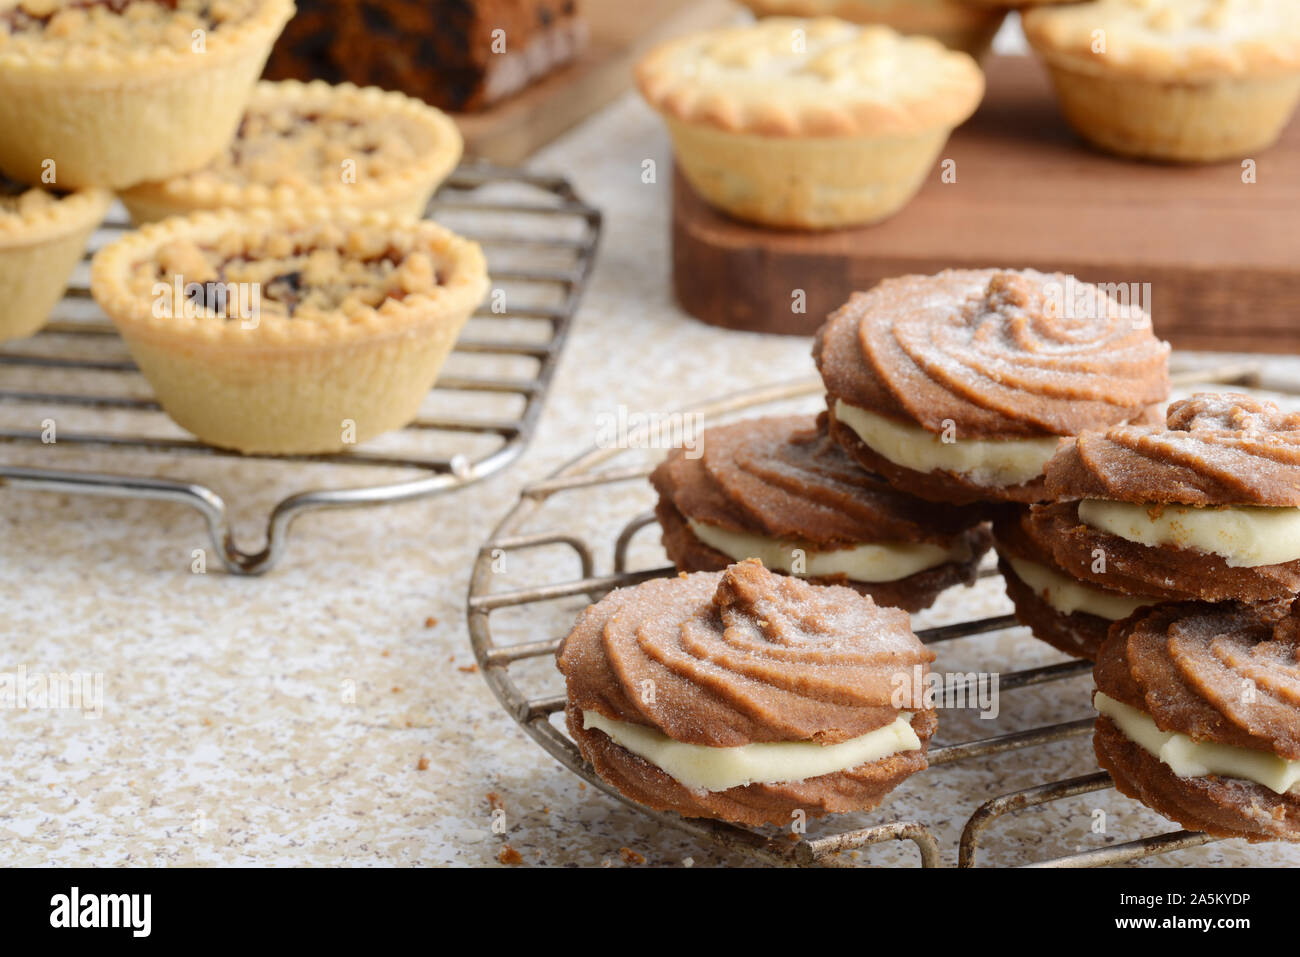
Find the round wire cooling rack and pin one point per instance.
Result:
(522, 675)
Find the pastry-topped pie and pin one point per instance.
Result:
(314, 145)
(286, 332)
(116, 92)
(808, 123)
(954, 23)
(42, 235)
(1176, 80)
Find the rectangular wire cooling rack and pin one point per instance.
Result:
(540, 241)
(593, 474)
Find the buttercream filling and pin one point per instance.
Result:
(875, 562)
(704, 768)
(1068, 596)
(1244, 536)
(1195, 759)
(998, 463)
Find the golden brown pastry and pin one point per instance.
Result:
(111, 93)
(808, 124)
(1175, 80)
(290, 332)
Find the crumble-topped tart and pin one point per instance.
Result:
(116, 92)
(42, 235)
(1178, 80)
(290, 332)
(311, 145)
(808, 123)
(954, 23)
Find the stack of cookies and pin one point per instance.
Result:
(282, 295)
(947, 395)
(1199, 520)
(1164, 546)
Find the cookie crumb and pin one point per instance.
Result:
(385, 653)
(397, 689)
(508, 855)
(495, 802)
(467, 669)
(422, 764)
(630, 856)
(431, 622)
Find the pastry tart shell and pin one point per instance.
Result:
(1176, 122)
(1224, 96)
(115, 121)
(818, 143)
(37, 256)
(292, 386)
(405, 191)
(810, 184)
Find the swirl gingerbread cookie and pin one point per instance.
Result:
(1206, 508)
(958, 387)
(747, 696)
(781, 490)
(1200, 716)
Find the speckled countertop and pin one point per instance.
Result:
(328, 712)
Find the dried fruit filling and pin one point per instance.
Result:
(298, 277)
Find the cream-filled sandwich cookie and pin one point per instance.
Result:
(1198, 716)
(1206, 508)
(1073, 616)
(780, 490)
(958, 387)
(747, 696)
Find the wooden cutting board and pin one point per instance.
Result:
(1222, 256)
(620, 32)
